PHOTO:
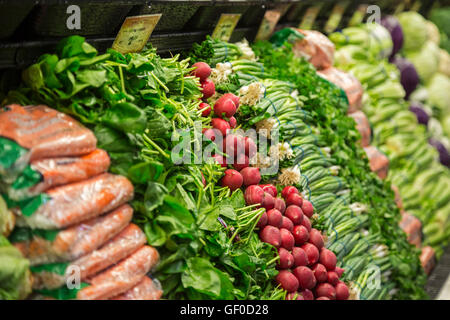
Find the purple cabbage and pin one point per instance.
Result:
(409, 77)
(444, 155)
(395, 29)
(421, 115)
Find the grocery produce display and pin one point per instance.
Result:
(309, 166)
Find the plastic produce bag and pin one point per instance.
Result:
(37, 132)
(428, 259)
(70, 204)
(412, 226)
(363, 126)
(52, 276)
(316, 48)
(348, 83)
(42, 246)
(379, 163)
(147, 289)
(49, 173)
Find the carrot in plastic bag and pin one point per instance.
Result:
(77, 202)
(316, 48)
(379, 163)
(36, 132)
(347, 82)
(147, 289)
(57, 172)
(53, 276)
(363, 126)
(42, 246)
(122, 277)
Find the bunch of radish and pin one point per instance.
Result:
(307, 269)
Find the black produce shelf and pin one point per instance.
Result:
(437, 278)
(29, 28)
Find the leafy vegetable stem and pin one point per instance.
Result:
(122, 81)
(273, 260)
(161, 151)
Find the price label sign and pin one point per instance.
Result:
(310, 17)
(359, 15)
(335, 17)
(135, 32)
(225, 26)
(268, 24)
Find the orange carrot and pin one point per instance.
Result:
(147, 289)
(76, 202)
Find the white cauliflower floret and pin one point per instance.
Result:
(251, 94)
(290, 176)
(220, 73)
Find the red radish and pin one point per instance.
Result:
(220, 125)
(320, 272)
(220, 160)
(315, 237)
(268, 202)
(253, 195)
(339, 271)
(224, 108)
(233, 145)
(301, 234)
(275, 218)
(287, 281)
(305, 277)
(262, 222)
(295, 214)
(294, 199)
(202, 71)
(271, 235)
(286, 259)
(205, 112)
(294, 296)
(323, 298)
(342, 292)
(289, 190)
(280, 205)
(251, 176)
(306, 223)
(287, 224)
(307, 208)
(208, 88)
(210, 134)
(312, 252)
(233, 122)
(328, 259)
(269, 188)
(287, 240)
(332, 278)
(326, 290)
(307, 294)
(232, 97)
(241, 162)
(232, 179)
(300, 257)
(250, 147)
